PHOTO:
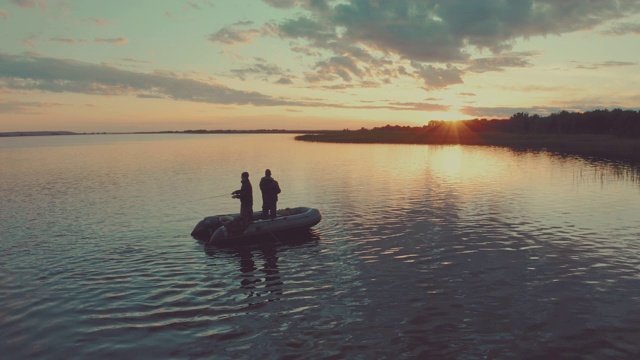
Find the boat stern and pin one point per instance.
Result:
(220, 234)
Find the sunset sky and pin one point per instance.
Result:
(153, 65)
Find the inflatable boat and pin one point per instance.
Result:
(229, 229)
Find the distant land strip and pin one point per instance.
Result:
(612, 135)
(36, 133)
(257, 131)
(597, 146)
(606, 134)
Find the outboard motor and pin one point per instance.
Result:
(231, 228)
(220, 234)
(206, 227)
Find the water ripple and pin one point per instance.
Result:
(421, 253)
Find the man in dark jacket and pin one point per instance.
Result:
(270, 190)
(245, 194)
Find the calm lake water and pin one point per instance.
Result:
(423, 252)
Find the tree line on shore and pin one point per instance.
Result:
(618, 122)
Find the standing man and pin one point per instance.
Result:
(270, 190)
(245, 194)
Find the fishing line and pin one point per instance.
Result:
(191, 201)
(196, 211)
(182, 204)
(212, 197)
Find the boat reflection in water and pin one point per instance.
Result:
(258, 261)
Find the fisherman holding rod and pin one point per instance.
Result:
(245, 194)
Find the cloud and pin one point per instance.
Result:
(284, 81)
(233, 34)
(57, 75)
(30, 3)
(188, 7)
(198, 5)
(24, 107)
(435, 78)
(147, 96)
(535, 88)
(401, 106)
(95, 20)
(281, 3)
(419, 106)
(114, 41)
(341, 66)
(230, 36)
(30, 41)
(261, 68)
(605, 64)
(500, 62)
(194, 5)
(132, 60)
(437, 37)
(31, 73)
(309, 4)
(308, 51)
(346, 86)
(623, 29)
(67, 40)
(441, 31)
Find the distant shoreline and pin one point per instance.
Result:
(36, 133)
(258, 131)
(599, 146)
(608, 147)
